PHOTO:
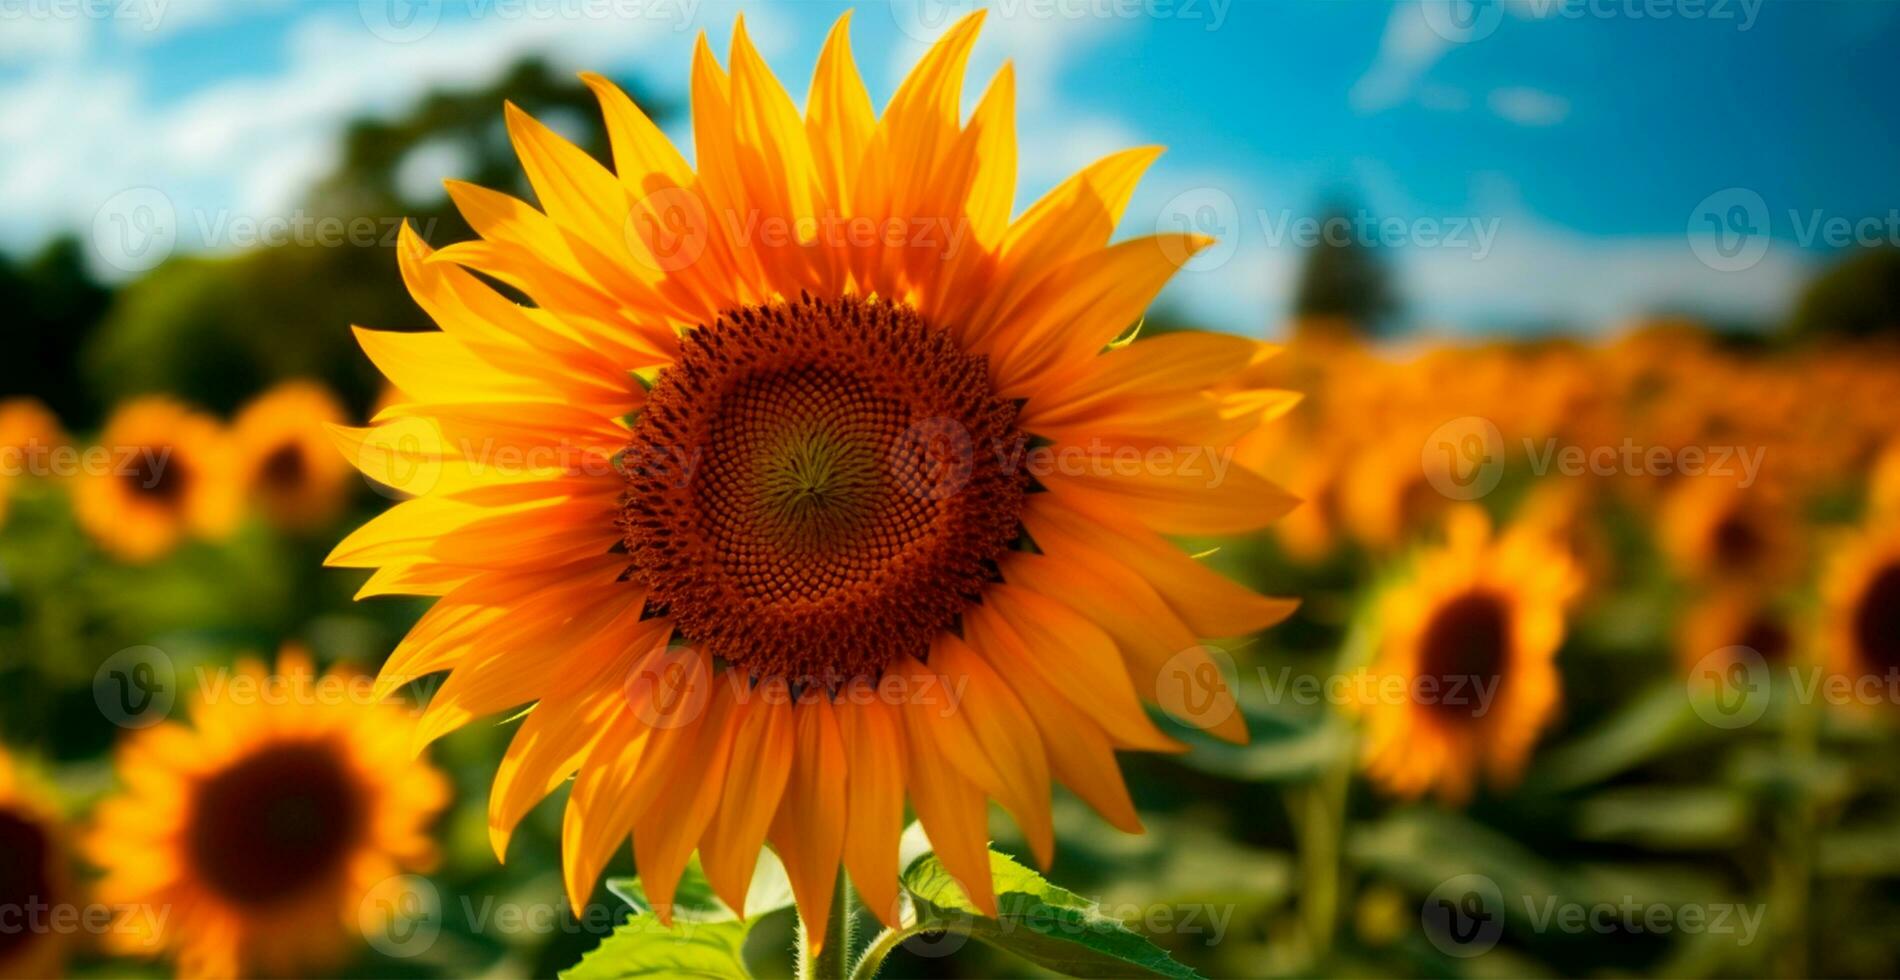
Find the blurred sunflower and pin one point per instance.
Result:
(263, 824)
(288, 463)
(33, 876)
(824, 419)
(1386, 495)
(1736, 616)
(1713, 529)
(1861, 596)
(1465, 676)
(28, 429)
(1883, 483)
(160, 470)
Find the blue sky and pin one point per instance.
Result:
(1533, 161)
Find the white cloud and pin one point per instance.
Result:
(1408, 49)
(248, 146)
(1517, 272)
(1528, 106)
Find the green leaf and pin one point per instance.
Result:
(707, 938)
(645, 948)
(1049, 926)
(1666, 817)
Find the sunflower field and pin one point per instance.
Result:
(691, 565)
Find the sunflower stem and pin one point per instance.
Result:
(881, 946)
(829, 962)
(1320, 822)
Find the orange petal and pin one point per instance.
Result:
(874, 804)
(755, 783)
(808, 831)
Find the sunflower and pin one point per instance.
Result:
(28, 433)
(1465, 676)
(1883, 482)
(1716, 530)
(263, 824)
(33, 879)
(1736, 616)
(160, 470)
(293, 473)
(1860, 594)
(821, 439)
(1386, 495)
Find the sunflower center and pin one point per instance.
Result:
(1877, 622)
(154, 474)
(816, 488)
(1463, 652)
(284, 468)
(1737, 544)
(24, 881)
(1767, 636)
(276, 824)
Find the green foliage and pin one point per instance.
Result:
(215, 330)
(50, 301)
(1344, 280)
(1858, 297)
(1049, 926)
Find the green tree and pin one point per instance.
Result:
(51, 301)
(1858, 297)
(216, 329)
(1344, 283)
